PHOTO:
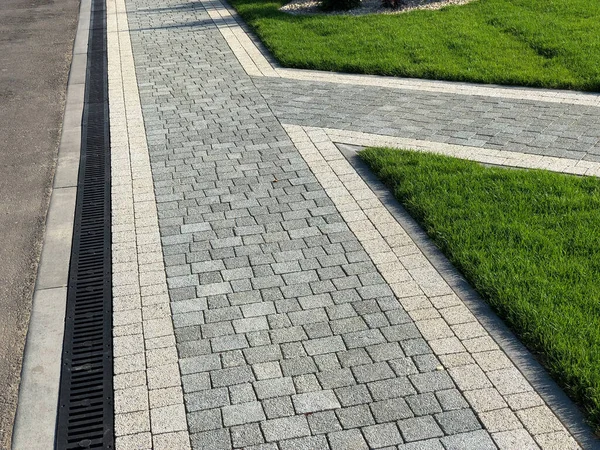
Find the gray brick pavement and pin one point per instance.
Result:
(287, 334)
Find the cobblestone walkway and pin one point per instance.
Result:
(264, 296)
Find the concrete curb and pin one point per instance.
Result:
(37, 405)
(536, 375)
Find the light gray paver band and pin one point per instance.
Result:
(304, 315)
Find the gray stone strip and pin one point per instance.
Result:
(557, 400)
(149, 409)
(490, 123)
(260, 57)
(35, 420)
(482, 155)
(447, 87)
(506, 403)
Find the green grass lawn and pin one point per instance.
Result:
(527, 240)
(543, 43)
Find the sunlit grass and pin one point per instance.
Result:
(543, 43)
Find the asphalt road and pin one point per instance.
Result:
(36, 41)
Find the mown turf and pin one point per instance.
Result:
(527, 240)
(543, 43)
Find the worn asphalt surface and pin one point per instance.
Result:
(36, 41)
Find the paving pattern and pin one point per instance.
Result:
(301, 314)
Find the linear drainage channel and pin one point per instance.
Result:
(85, 408)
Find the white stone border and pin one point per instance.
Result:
(504, 400)
(482, 155)
(149, 407)
(255, 63)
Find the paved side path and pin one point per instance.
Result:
(304, 316)
(511, 125)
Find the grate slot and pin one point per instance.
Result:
(85, 410)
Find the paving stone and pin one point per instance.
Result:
(474, 440)
(274, 388)
(355, 416)
(324, 345)
(214, 439)
(458, 421)
(298, 366)
(246, 435)
(293, 350)
(430, 444)
(291, 334)
(315, 401)
(509, 381)
(354, 357)
(424, 404)
(207, 399)
(285, 428)
(519, 438)
(278, 407)
(403, 366)
(391, 388)
(419, 428)
(132, 423)
(539, 420)
(134, 441)
(267, 370)
(206, 420)
(382, 435)
(168, 419)
(523, 400)
(178, 440)
(353, 395)
(394, 409)
(331, 379)
(363, 338)
(195, 382)
(243, 413)
(228, 377)
(469, 377)
(485, 399)
(307, 443)
(557, 440)
(412, 347)
(372, 372)
(385, 352)
(327, 362)
(346, 439)
(250, 324)
(431, 381)
(499, 420)
(262, 353)
(451, 399)
(306, 383)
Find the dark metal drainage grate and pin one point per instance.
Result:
(85, 410)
